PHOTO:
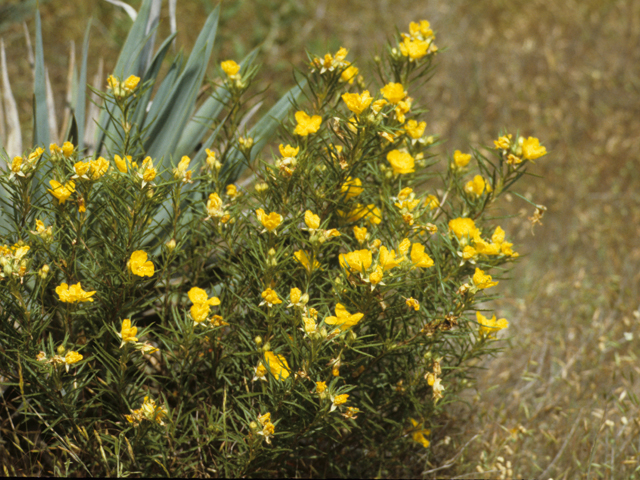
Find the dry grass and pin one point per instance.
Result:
(560, 401)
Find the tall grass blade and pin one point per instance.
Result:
(72, 82)
(80, 111)
(126, 7)
(51, 109)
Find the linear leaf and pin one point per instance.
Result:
(13, 142)
(41, 118)
(81, 98)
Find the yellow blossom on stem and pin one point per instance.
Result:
(490, 326)
(270, 297)
(349, 74)
(414, 49)
(269, 222)
(482, 280)
(214, 206)
(414, 129)
(302, 257)
(360, 233)
(531, 149)
(463, 227)
(339, 400)
(306, 124)
(359, 260)
(127, 332)
(278, 365)
(393, 92)
(320, 387)
(72, 357)
(311, 220)
(260, 373)
(139, 265)
(343, 319)
(404, 246)
(357, 102)
(401, 162)
(503, 143)
(62, 192)
(370, 212)
(67, 149)
(419, 432)
(460, 159)
(388, 260)
(402, 108)
(201, 304)
(419, 258)
(131, 83)
(413, 303)
(476, 186)
(73, 293)
(232, 191)
(181, 172)
(98, 168)
(351, 188)
(121, 163)
(230, 67)
(432, 202)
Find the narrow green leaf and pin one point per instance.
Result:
(81, 98)
(40, 118)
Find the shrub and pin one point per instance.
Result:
(159, 317)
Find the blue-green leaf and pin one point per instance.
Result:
(40, 117)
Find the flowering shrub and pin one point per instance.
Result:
(314, 320)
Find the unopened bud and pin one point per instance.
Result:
(258, 340)
(61, 350)
(171, 245)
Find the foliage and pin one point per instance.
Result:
(157, 318)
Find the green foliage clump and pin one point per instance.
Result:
(312, 320)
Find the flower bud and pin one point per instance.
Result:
(43, 272)
(61, 350)
(171, 245)
(258, 340)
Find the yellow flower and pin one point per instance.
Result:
(310, 327)
(343, 319)
(370, 212)
(321, 387)
(131, 83)
(339, 400)
(401, 162)
(81, 169)
(402, 108)
(415, 129)
(531, 149)
(98, 168)
(139, 265)
(232, 191)
(468, 252)
(121, 163)
(72, 357)
(311, 220)
(503, 143)
(377, 106)
(491, 326)
(359, 261)
(306, 124)
(476, 186)
(230, 67)
(432, 202)
(357, 103)
(270, 297)
(360, 234)
(351, 188)
(294, 295)
(414, 49)
(461, 159)
(419, 433)
(375, 277)
(288, 151)
(513, 159)
(62, 192)
(260, 373)
(349, 74)
(394, 92)
(181, 172)
(214, 206)
(201, 303)
(482, 281)
(67, 149)
(149, 174)
(278, 365)
(463, 227)
(419, 258)
(420, 30)
(403, 248)
(269, 222)
(268, 428)
(73, 293)
(498, 236)
(388, 260)
(413, 303)
(127, 332)
(302, 257)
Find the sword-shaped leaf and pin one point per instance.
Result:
(41, 115)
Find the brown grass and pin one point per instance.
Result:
(560, 401)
